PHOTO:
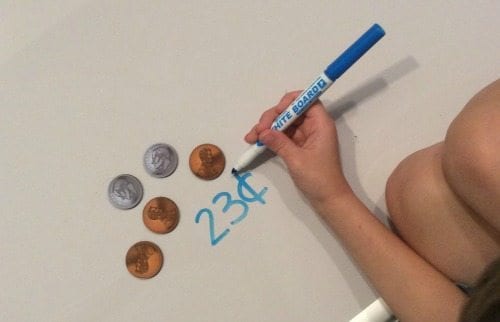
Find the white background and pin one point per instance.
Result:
(87, 86)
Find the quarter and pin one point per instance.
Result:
(207, 161)
(160, 215)
(144, 259)
(125, 191)
(160, 160)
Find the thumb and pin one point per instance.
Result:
(279, 143)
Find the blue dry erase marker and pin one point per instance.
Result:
(313, 92)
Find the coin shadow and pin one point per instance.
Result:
(299, 205)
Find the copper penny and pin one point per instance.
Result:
(144, 259)
(207, 161)
(160, 215)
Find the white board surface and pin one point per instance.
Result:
(87, 86)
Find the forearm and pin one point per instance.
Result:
(412, 288)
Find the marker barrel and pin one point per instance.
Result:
(318, 87)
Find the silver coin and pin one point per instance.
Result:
(160, 160)
(125, 191)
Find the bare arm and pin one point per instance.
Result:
(412, 288)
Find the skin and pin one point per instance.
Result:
(445, 199)
(441, 239)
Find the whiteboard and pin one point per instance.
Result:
(87, 86)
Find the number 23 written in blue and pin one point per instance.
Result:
(230, 203)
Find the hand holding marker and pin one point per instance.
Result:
(313, 92)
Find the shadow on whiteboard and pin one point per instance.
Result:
(298, 205)
(355, 99)
(372, 86)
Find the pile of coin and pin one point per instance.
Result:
(160, 214)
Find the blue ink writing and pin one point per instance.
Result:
(246, 195)
(214, 239)
(230, 202)
(243, 184)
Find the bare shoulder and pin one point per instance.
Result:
(444, 200)
(471, 157)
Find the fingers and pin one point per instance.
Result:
(270, 115)
(280, 144)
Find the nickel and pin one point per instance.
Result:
(160, 215)
(207, 161)
(144, 259)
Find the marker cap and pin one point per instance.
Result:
(353, 53)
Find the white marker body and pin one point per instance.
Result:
(288, 116)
